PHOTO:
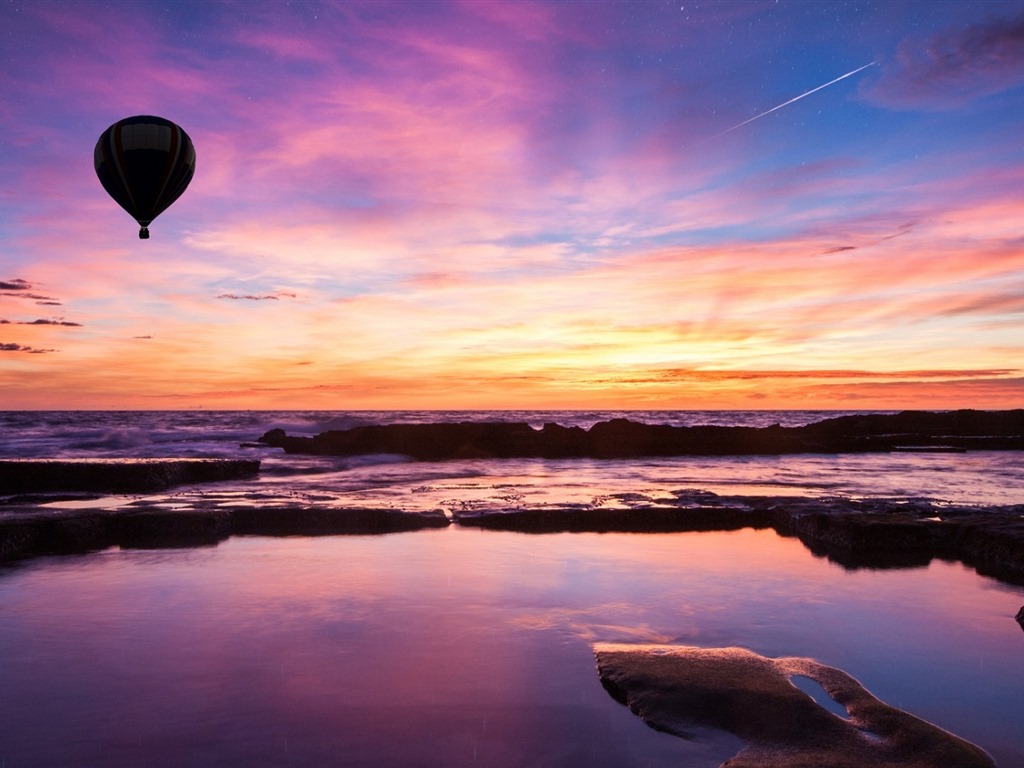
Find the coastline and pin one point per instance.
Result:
(913, 431)
(290, 504)
(36, 519)
(855, 534)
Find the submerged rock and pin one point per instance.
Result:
(681, 690)
(29, 532)
(116, 475)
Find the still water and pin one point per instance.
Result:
(460, 647)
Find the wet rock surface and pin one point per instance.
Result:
(116, 475)
(682, 690)
(872, 533)
(855, 534)
(27, 532)
(622, 438)
(619, 520)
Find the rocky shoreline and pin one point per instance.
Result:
(854, 534)
(32, 531)
(621, 438)
(869, 533)
(851, 533)
(117, 475)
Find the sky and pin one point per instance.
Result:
(477, 204)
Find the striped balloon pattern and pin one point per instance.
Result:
(145, 163)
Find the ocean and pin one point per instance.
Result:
(466, 647)
(979, 477)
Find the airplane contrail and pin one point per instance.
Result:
(796, 98)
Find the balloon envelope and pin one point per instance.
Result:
(144, 163)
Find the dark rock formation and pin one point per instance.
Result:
(116, 475)
(1020, 617)
(607, 520)
(881, 534)
(681, 690)
(466, 440)
(855, 534)
(29, 532)
(324, 521)
(621, 438)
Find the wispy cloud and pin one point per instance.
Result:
(264, 297)
(954, 67)
(43, 321)
(38, 298)
(448, 204)
(12, 347)
(21, 289)
(17, 284)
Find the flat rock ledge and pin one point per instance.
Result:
(871, 533)
(116, 475)
(621, 438)
(682, 690)
(41, 531)
(855, 534)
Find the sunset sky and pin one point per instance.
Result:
(519, 205)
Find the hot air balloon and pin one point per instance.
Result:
(144, 163)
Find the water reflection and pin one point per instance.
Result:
(461, 647)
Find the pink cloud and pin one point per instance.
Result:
(527, 20)
(144, 72)
(953, 68)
